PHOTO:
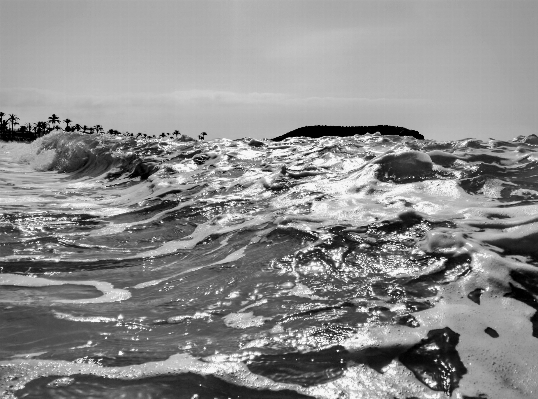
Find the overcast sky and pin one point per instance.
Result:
(449, 69)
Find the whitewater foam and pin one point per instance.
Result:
(110, 294)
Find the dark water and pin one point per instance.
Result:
(361, 267)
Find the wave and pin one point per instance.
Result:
(361, 266)
(87, 155)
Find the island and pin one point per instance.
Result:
(345, 131)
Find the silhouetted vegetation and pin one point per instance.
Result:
(31, 131)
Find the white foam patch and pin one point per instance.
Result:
(503, 367)
(183, 168)
(84, 319)
(362, 382)
(89, 344)
(88, 183)
(497, 367)
(180, 363)
(492, 188)
(115, 228)
(230, 258)
(248, 154)
(244, 320)
(150, 283)
(111, 229)
(201, 232)
(358, 381)
(524, 192)
(110, 294)
(302, 290)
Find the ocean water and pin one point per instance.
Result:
(357, 267)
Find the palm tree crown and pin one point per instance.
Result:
(54, 119)
(13, 119)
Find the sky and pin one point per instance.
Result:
(449, 69)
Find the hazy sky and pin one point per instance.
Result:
(449, 69)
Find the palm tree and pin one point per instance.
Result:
(84, 129)
(53, 119)
(13, 119)
(41, 128)
(98, 128)
(1, 120)
(67, 122)
(77, 127)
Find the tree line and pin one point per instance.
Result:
(31, 131)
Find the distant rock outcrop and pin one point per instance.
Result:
(345, 131)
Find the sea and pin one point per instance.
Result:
(367, 266)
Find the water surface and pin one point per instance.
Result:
(358, 267)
